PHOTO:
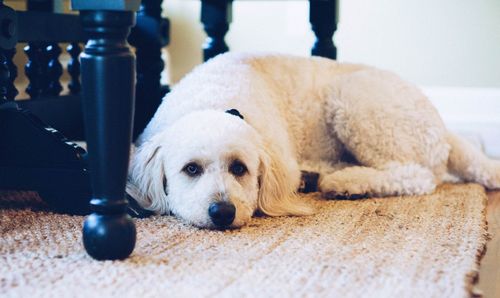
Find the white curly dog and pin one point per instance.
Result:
(214, 169)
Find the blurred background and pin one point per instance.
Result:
(431, 43)
(450, 48)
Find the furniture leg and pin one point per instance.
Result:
(108, 93)
(216, 16)
(148, 37)
(33, 155)
(322, 16)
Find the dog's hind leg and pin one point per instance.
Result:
(394, 133)
(391, 180)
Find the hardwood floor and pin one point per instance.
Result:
(473, 113)
(489, 271)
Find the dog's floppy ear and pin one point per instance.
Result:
(146, 181)
(277, 193)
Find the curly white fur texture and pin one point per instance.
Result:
(300, 114)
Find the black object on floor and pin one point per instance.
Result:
(309, 182)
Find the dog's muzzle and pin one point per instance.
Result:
(222, 214)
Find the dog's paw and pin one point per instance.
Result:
(333, 195)
(493, 182)
(346, 191)
(343, 187)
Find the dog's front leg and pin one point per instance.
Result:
(390, 180)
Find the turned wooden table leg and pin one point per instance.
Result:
(8, 40)
(216, 16)
(108, 93)
(148, 37)
(323, 19)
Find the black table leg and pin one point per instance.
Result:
(8, 40)
(148, 37)
(322, 16)
(216, 16)
(108, 94)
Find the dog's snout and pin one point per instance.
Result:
(222, 213)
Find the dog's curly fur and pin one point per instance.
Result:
(299, 114)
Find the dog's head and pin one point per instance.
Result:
(211, 169)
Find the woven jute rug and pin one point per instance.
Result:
(426, 246)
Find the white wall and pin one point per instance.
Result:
(429, 42)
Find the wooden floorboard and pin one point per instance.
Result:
(489, 272)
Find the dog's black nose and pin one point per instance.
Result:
(222, 213)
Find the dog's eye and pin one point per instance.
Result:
(193, 169)
(237, 168)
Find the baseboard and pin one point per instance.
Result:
(471, 112)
